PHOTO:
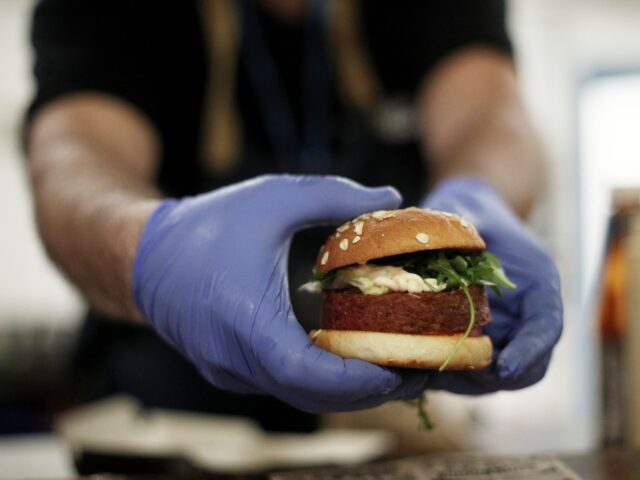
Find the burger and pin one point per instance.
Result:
(407, 288)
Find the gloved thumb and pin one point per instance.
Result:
(465, 196)
(326, 199)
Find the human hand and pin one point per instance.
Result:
(527, 321)
(210, 276)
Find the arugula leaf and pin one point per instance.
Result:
(421, 409)
(472, 322)
(454, 269)
(323, 276)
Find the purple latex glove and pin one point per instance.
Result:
(527, 321)
(210, 276)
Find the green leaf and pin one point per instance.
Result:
(472, 322)
(324, 277)
(459, 264)
(454, 269)
(421, 410)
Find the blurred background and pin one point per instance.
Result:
(579, 64)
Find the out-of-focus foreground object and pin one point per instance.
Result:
(117, 435)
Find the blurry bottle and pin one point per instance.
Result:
(617, 319)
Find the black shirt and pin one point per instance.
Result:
(153, 54)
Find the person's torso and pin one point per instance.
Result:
(374, 147)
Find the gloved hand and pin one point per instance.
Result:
(527, 321)
(210, 276)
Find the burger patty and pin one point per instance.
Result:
(424, 313)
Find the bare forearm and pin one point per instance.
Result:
(91, 207)
(475, 124)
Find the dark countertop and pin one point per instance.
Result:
(606, 465)
(601, 465)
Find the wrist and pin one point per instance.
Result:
(466, 184)
(130, 228)
(473, 198)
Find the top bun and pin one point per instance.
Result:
(385, 233)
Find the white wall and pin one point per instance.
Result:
(559, 44)
(609, 149)
(32, 292)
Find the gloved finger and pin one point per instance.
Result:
(300, 367)
(229, 382)
(290, 361)
(502, 325)
(439, 200)
(317, 199)
(312, 404)
(539, 330)
(412, 385)
(469, 197)
(454, 382)
(487, 381)
(528, 377)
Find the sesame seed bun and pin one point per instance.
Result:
(407, 351)
(387, 329)
(393, 232)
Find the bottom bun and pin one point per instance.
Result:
(403, 350)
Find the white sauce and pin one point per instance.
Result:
(378, 280)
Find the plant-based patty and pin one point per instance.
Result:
(406, 288)
(424, 313)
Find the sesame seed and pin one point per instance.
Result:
(379, 214)
(344, 244)
(464, 223)
(358, 228)
(422, 238)
(325, 258)
(342, 228)
(356, 239)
